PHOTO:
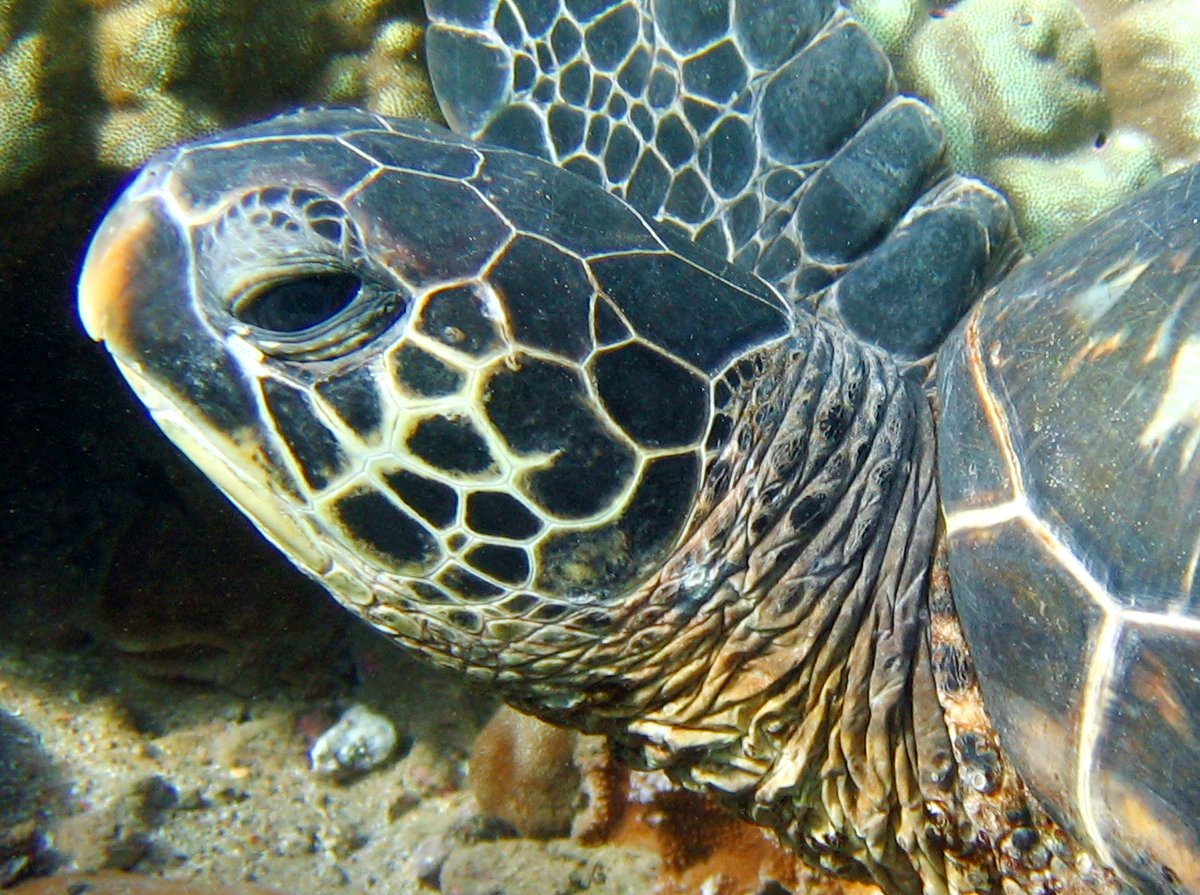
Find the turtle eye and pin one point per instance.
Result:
(288, 269)
(315, 314)
(300, 304)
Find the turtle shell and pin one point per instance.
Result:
(1069, 454)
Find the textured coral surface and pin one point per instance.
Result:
(1150, 69)
(1067, 105)
(87, 83)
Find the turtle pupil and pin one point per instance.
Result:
(300, 304)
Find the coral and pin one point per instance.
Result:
(1009, 76)
(1066, 106)
(1150, 58)
(168, 70)
(139, 55)
(892, 22)
(139, 49)
(87, 84)
(128, 136)
(43, 81)
(389, 77)
(1086, 182)
(20, 66)
(396, 80)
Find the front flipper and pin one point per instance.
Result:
(767, 131)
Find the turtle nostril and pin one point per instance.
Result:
(296, 305)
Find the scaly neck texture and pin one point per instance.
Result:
(799, 687)
(799, 658)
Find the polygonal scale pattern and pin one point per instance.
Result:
(507, 420)
(767, 132)
(1070, 466)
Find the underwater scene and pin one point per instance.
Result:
(633, 447)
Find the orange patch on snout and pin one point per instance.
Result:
(104, 284)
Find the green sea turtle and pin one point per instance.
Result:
(657, 457)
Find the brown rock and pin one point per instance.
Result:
(523, 771)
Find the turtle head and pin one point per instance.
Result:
(364, 333)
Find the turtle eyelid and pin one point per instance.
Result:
(317, 313)
(297, 304)
(284, 268)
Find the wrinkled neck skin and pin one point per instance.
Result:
(780, 660)
(798, 656)
(812, 706)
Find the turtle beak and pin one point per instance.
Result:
(119, 260)
(111, 266)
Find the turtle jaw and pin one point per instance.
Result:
(237, 467)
